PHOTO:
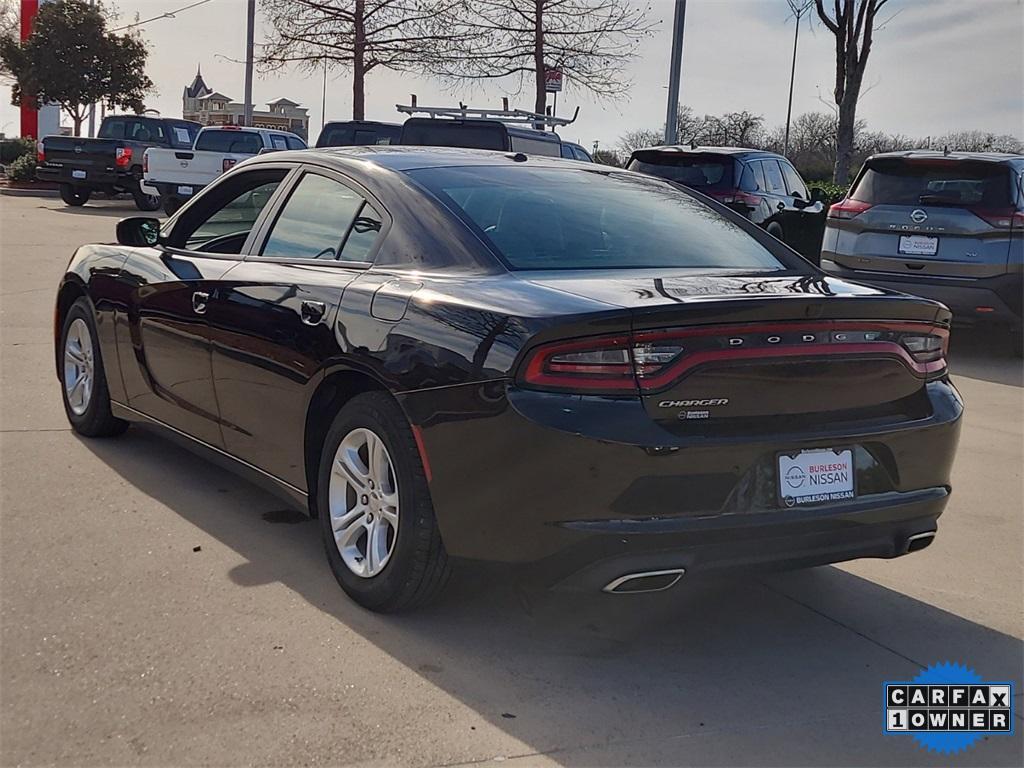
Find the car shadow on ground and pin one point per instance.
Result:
(699, 675)
(117, 209)
(985, 354)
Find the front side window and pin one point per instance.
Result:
(219, 221)
(794, 184)
(323, 219)
(569, 218)
(294, 142)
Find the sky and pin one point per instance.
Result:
(936, 66)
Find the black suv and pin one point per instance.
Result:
(762, 186)
(358, 133)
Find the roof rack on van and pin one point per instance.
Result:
(506, 115)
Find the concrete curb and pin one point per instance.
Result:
(15, 192)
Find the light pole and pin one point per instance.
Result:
(249, 33)
(674, 74)
(799, 8)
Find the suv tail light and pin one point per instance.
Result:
(40, 152)
(737, 197)
(1003, 218)
(847, 209)
(649, 361)
(227, 163)
(123, 157)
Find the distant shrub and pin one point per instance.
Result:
(22, 168)
(833, 192)
(12, 149)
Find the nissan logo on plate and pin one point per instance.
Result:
(918, 216)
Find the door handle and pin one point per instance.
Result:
(312, 312)
(199, 300)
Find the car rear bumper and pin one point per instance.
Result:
(169, 189)
(1000, 296)
(95, 179)
(590, 488)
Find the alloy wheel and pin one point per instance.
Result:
(79, 366)
(363, 499)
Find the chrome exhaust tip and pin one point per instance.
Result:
(919, 541)
(644, 581)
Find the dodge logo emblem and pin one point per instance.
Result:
(918, 216)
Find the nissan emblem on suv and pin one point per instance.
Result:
(918, 216)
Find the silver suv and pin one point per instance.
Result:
(947, 226)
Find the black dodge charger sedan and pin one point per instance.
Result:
(450, 353)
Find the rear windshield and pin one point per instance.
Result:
(449, 133)
(568, 218)
(357, 136)
(697, 171)
(934, 182)
(240, 142)
(146, 130)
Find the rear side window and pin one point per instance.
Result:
(752, 178)
(700, 171)
(237, 142)
(935, 182)
(277, 141)
(182, 135)
(294, 142)
(535, 146)
(774, 182)
(319, 218)
(571, 218)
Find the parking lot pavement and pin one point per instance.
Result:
(155, 609)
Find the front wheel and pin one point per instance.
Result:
(86, 399)
(376, 517)
(73, 196)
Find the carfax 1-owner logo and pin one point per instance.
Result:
(948, 707)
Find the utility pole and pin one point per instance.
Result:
(799, 8)
(674, 74)
(323, 102)
(92, 107)
(249, 33)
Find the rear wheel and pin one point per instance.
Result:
(86, 399)
(775, 230)
(74, 195)
(377, 521)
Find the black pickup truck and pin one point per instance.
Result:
(112, 162)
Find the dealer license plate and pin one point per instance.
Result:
(78, 174)
(184, 190)
(918, 245)
(816, 476)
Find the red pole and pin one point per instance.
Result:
(29, 110)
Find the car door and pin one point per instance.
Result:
(173, 285)
(806, 217)
(272, 325)
(776, 196)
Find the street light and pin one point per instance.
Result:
(799, 8)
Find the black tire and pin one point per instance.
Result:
(419, 566)
(171, 205)
(775, 230)
(145, 202)
(96, 420)
(74, 196)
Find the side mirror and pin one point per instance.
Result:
(138, 231)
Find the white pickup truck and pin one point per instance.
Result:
(178, 174)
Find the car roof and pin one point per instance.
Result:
(931, 154)
(397, 157)
(737, 152)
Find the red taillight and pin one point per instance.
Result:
(649, 361)
(40, 152)
(1003, 218)
(227, 163)
(847, 209)
(736, 197)
(123, 157)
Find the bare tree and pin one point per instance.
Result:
(360, 35)
(852, 23)
(591, 41)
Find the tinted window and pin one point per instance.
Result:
(535, 146)
(226, 209)
(450, 133)
(278, 142)
(757, 171)
(294, 142)
(182, 135)
(935, 182)
(773, 177)
(692, 170)
(348, 135)
(567, 152)
(133, 129)
(582, 154)
(227, 140)
(794, 184)
(314, 221)
(546, 218)
(362, 235)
